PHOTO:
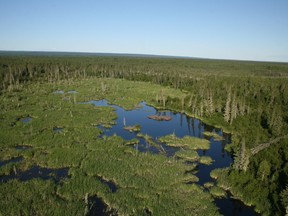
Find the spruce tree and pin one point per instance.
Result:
(227, 112)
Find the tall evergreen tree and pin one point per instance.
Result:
(242, 157)
(227, 111)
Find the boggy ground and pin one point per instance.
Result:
(144, 183)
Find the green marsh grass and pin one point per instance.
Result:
(198, 87)
(205, 160)
(214, 135)
(187, 155)
(145, 181)
(186, 142)
(217, 192)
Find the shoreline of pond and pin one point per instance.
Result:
(217, 201)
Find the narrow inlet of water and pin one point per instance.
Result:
(36, 172)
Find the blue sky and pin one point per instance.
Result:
(222, 29)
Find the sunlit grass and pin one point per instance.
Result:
(145, 181)
(186, 142)
(214, 135)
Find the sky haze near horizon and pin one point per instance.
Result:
(222, 29)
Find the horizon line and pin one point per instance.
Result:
(119, 54)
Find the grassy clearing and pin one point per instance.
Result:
(134, 128)
(217, 192)
(187, 155)
(35, 197)
(216, 173)
(187, 142)
(148, 139)
(208, 184)
(214, 135)
(132, 142)
(206, 160)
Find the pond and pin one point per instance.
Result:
(181, 125)
(98, 207)
(57, 129)
(26, 119)
(34, 172)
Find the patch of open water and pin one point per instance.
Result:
(96, 206)
(12, 160)
(26, 119)
(37, 172)
(23, 147)
(181, 125)
(57, 129)
(33, 172)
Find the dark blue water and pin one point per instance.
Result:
(26, 120)
(33, 172)
(181, 125)
(37, 172)
(97, 207)
(13, 160)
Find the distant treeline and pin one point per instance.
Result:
(233, 88)
(228, 88)
(175, 72)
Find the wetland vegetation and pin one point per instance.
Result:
(46, 108)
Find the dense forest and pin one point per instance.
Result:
(247, 99)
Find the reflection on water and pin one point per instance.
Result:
(181, 125)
